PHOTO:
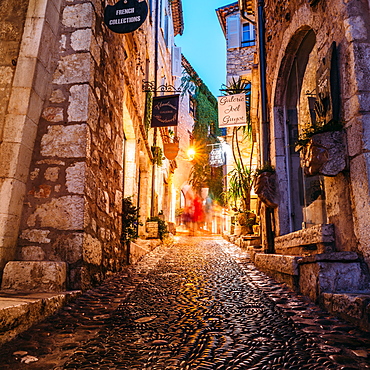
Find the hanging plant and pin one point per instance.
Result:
(204, 133)
(157, 155)
(267, 167)
(148, 111)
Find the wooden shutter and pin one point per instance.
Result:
(233, 32)
(176, 61)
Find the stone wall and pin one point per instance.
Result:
(346, 24)
(184, 131)
(27, 39)
(74, 190)
(240, 61)
(13, 16)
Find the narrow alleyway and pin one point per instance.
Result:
(196, 304)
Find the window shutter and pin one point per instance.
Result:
(233, 32)
(176, 61)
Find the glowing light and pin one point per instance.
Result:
(191, 153)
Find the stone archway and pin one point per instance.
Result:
(304, 197)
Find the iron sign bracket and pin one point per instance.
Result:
(149, 86)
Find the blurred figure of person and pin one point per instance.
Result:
(187, 217)
(208, 210)
(198, 214)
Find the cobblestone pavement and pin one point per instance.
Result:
(197, 304)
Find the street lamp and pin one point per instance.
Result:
(191, 153)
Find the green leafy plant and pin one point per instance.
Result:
(204, 133)
(267, 167)
(317, 128)
(130, 220)
(240, 178)
(240, 185)
(157, 155)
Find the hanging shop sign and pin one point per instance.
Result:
(165, 111)
(217, 156)
(232, 110)
(171, 150)
(126, 15)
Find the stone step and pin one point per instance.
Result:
(313, 240)
(331, 272)
(35, 276)
(20, 310)
(353, 307)
(337, 281)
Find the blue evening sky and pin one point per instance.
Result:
(203, 42)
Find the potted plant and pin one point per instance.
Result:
(130, 222)
(162, 230)
(247, 220)
(265, 184)
(322, 149)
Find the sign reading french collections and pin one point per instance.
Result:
(232, 110)
(126, 15)
(165, 111)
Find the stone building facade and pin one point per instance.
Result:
(74, 138)
(240, 41)
(317, 73)
(240, 37)
(184, 131)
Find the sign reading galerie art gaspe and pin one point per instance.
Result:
(232, 110)
(165, 111)
(126, 15)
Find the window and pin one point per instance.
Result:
(239, 34)
(248, 36)
(223, 131)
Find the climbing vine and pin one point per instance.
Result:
(148, 111)
(205, 132)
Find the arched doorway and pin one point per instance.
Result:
(306, 195)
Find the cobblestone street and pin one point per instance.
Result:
(196, 304)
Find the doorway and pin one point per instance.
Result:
(307, 205)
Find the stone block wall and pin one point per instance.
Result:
(348, 25)
(27, 31)
(240, 61)
(13, 16)
(74, 189)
